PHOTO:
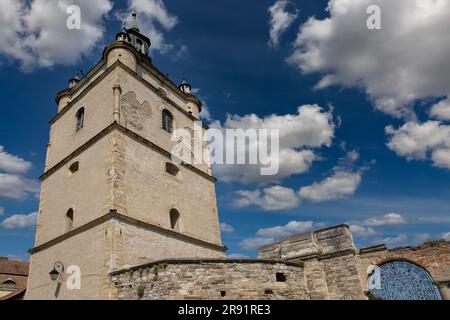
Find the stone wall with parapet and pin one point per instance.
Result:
(323, 264)
(212, 279)
(307, 245)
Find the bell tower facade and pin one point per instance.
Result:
(111, 196)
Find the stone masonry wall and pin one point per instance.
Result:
(213, 279)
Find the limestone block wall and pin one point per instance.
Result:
(136, 244)
(92, 257)
(212, 279)
(150, 193)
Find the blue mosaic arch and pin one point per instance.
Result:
(400, 280)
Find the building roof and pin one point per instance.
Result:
(13, 267)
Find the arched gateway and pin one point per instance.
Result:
(400, 280)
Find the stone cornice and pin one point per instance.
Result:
(204, 261)
(113, 215)
(130, 134)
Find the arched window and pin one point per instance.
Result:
(401, 280)
(139, 45)
(167, 121)
(79, 117)
(69, 220)
(174, 220)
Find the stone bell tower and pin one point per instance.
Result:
(111, 197)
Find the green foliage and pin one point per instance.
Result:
(299, 262)
(140, 291)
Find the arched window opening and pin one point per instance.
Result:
(79, 119)
(172, 169)
(139, 45)
(401, 280)
(74, 167)
(174, 220)
(167, 121)
(69, 220)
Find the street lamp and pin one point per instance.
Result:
(57, 271)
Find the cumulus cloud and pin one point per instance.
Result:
(293, 227)
(16, 187)
(391, 64)
(153, 19)
(254, 243)
(226, 228)
(441, 110)
(446, 236)
(274, 198)
(338, 186)
(422, 141)
(20, 221)
(362, 232)
(270, 235)
(342, 184)
(281, 18)
(386, 220)
(35, 33)
(365, 228)
(11, 163)
(299, 134)
(401, 239)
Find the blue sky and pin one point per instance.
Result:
(385, 169)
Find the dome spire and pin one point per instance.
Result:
(134, 24)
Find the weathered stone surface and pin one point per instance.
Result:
(212, 280)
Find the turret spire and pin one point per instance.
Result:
(134, 24)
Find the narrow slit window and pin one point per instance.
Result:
(167, 121)
(174, 220)
(69, 220)
(79, 119)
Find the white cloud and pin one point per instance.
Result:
(274, 198)
(401, 239)
(153, 20)
(343, 183)
(340, 185)
(389, 219)
(292, 228)
(310, 128)
(422, 237)
(281, 18)
(2, 211)
(16, 187)
(237, 256)
(364, 229)
(362, 232)
(441, 110)
(446, 236)
(11, 163)
(226, 228)
(416, 141)
(35, 32)
(405, 61)
(271, 235)
(20, 221)
(255, 243)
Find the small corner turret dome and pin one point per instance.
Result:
(185, 87)
(74, 81)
